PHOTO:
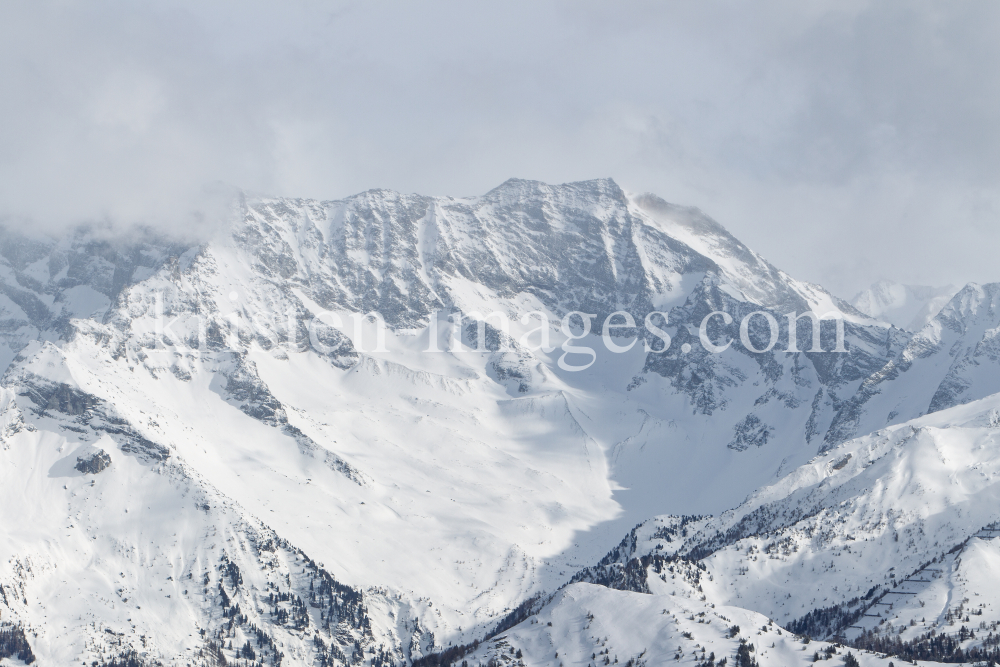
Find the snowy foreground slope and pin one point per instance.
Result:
(210, 452)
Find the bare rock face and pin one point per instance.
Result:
(95, 463)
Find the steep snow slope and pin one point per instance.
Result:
(757, 280)
(147, 559)
(908, 307)
(442, 514)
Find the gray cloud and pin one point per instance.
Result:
(847, 141)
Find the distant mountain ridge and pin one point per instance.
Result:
(952, 360)
(908, 307)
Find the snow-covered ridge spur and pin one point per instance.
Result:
(440, 490)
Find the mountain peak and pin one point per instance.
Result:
(691, 217)
(520, 187)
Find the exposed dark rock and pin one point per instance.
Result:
(94, 463)
(751, 432)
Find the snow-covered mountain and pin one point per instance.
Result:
(952, 360)
(908, 307)
(210, 446)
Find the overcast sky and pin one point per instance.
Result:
(846, 141)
